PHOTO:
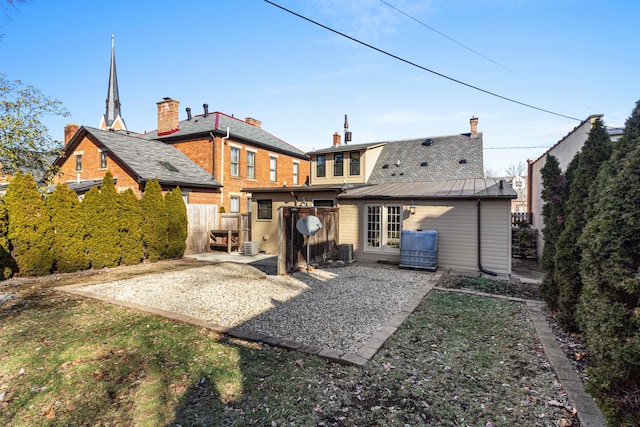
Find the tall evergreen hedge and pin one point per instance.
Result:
(30, 231)
(596, 150)
(101, 219)
(177, 223)
(608, 312)
(69, 246)
(155, 228)
(8, 265)
(130, 228)
(553, 194)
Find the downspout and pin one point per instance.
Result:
(224, 138)
(482, 270)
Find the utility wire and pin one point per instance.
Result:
(449, 38)
(420, 66)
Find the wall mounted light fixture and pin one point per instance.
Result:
(412, 208)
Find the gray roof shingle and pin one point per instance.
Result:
(201, 125)
(430, 159)
(143, 157)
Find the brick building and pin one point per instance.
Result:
(211, 156)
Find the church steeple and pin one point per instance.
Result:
(112, 119)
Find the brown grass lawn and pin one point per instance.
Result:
(459, 360)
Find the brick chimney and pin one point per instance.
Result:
(474, 127)
(70, 131)
(168, 116)
(337, 139)
(253, 122)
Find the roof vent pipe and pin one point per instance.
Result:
(206, 109)
(188, 113)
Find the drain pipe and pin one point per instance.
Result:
(222, 141)
(482, 270)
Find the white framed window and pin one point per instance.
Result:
(273, 169)
(383, 225)
(103, 159)
(78, 162)
(235, 161)
(235, 204)
(296, 173)
(251, 165)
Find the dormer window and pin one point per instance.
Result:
(321, 165)
(338, 164)
(354, 163)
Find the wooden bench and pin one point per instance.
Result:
(224, 239)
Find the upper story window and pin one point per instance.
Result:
(264, 209)
(273, 163)
(103, 159)
(296, 173)
(354, 163)
(235, 204)
(251, 165)
(338, 164)
(235, 161)
(78, 162)
(321, 165)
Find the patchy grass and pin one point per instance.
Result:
(491, 286)
(459, 360)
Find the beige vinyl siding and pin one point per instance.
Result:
(456, 224)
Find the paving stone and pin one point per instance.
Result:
(367, 352)
(354, 359)
(330, 353)
(310, 349)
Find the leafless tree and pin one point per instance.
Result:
(516, 169)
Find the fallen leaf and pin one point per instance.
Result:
(300, 363)
(318, 409)
(563, 422)
(555, 403)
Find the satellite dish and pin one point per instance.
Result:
(308, 225)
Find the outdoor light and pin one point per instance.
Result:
(412, 208)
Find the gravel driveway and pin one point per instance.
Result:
(337, 308)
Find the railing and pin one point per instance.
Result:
(521, 216)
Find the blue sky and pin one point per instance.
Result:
(248, 58)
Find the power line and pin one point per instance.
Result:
(449, 38)
(420, 66)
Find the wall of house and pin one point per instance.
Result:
(456, 224)
(202, 151)
(564, 151)
(91, 168)
(367, 162)
(265, 231)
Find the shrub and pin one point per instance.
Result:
(8, 265)
(67, 220)
(155, 221)
(30, 231)
(177, 223)
(101, 219)
(130, 228)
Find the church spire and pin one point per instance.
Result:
(111, 119)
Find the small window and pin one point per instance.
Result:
(235, 161)
(296, 172)
(103, 159)
(338, 164)
(321, 165)
(264, 209)
(273, 163)
(354, 163)
(169, 166)
(78, 162)
(251, 165)
(235, 204)
(323, 203)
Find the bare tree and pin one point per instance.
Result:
(516, 169)
(490, 172)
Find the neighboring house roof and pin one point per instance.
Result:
(146, 159)
(429, 159)
(347, 147)
(297, 189)
(81, 187)
(218, 123)
(479, 188)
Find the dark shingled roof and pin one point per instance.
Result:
(430, 159)
(479, 188)
(201, 125)
(143, 157)
(347, 147)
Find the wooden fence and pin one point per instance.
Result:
(292, 246)
(201, 219)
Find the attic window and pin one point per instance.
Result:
(169, 166)
(385, 166)
(463, 161)
(427, 142)
(424, 164)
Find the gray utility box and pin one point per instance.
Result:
(419, 249)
